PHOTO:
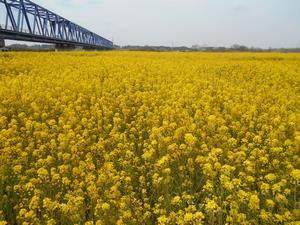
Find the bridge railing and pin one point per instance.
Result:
(10, 28)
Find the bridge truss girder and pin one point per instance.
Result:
(27, 21)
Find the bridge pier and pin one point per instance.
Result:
(2, 42)
(64, 47)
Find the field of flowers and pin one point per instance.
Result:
(149, 138)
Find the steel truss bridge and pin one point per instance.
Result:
(26, 21)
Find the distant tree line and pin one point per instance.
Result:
(197, 48)
(24, 47)
(194, 48)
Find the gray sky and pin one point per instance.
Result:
(260, 23)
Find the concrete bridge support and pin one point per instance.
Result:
(64, 47)
(2, 42)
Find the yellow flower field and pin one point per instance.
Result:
(149, 138)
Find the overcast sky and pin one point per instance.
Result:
(260, 23)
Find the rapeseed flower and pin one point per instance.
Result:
(149, 138)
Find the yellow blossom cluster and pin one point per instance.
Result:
(149, 138)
